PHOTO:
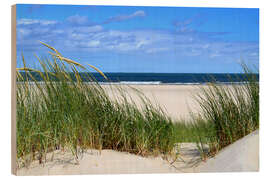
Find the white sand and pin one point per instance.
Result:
(240, 156)
(176, 100)
(243, 155)
(113, 162)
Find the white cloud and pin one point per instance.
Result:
(35, 21)
(89, 29)
(91, 38)
(77, 19)
(125, 17)
(138, 13)
(58, 31)
(156, 50)
(93, 43)
(142, 42)
(215, 54)
(23, 32)
(77, 36)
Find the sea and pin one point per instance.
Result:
(163, 78)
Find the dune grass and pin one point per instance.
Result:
(62, 112)
(228, 113)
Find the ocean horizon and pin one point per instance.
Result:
(158, 78)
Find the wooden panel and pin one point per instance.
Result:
(13, 90)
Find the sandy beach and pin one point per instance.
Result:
(176, 100)
(242, 155)
(143, 89)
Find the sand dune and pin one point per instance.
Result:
(108, 162)
(113, 162)
(240, 156)
(243, 155)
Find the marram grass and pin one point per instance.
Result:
(228, 112)
(64, 113)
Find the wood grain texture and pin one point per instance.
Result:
(13, 90)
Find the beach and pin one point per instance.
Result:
(141, 90)
(176, 100)
(241, 156)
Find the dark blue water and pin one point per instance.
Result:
(163, 78)
(171, 78)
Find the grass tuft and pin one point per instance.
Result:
(64, 113)
(228, 112)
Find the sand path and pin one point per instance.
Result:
(242, 155)
(92, 162)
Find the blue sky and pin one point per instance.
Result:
(142, 39)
